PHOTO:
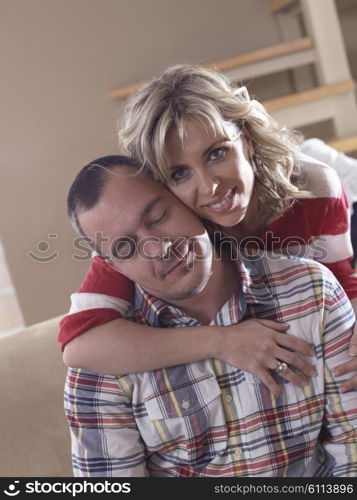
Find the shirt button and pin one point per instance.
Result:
(238, 452)
(185, 404)
(228, 398)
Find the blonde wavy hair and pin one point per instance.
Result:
(186, 91)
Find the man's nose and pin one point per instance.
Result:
(155, 248)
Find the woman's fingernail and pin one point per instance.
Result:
(336, 372)
(353, 350)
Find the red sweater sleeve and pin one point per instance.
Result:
(336, 233)
(103, 296)
(345, 275)
(322, 224)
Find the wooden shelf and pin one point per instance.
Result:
(348, 145)
(311, 95)
(263, 54)
(249, 58)
(278, 5)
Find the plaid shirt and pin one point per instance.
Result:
(209, 419)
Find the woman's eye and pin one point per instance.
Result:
(217, 154)
(179, 174)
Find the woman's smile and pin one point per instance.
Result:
(222, 204)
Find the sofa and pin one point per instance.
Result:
(34, 436)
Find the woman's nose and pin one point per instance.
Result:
(208, 185)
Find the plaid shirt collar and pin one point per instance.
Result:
(251, 290)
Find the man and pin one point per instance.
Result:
(205, 418)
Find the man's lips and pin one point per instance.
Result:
(180, 254)
(178, 263)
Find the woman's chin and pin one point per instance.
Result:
(231, 219)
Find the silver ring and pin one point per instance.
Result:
(281, 367)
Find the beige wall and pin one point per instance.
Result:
(58, 60)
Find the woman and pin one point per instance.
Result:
(221, 154)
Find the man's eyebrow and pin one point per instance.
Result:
(147, 209)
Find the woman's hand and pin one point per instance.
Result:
(257, 346)
(349, 366)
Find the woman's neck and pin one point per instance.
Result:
(250, 225)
